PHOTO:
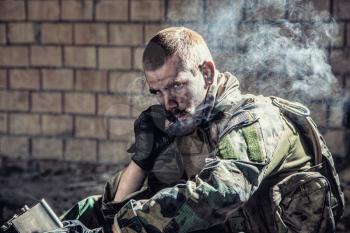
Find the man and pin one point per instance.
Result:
(209, 159)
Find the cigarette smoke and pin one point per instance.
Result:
(274, 47)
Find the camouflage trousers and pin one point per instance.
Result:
(99, 210)
(301, 202)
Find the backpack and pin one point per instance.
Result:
(289, 203)
(323, 161)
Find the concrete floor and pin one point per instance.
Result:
(63, 184)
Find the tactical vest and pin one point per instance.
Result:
(308, 201)
(275, 206)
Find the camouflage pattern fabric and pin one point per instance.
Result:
(298, 203)
(194, 205)
(99, 210)
(258, 151)
(86, 211)
(305, 206)
(249, 170)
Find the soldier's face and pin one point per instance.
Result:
(180, 92)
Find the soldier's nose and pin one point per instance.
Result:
(169, 103)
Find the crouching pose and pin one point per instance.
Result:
(210, 159)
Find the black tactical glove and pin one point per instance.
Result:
(150, 137)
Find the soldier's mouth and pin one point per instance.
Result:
(181, 116)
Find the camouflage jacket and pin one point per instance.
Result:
(218, 174)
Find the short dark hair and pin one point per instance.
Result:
(185, 43)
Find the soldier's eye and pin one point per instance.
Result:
(178, 86)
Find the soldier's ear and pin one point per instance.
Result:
(208, 72)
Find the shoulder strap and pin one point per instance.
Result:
(300, 116)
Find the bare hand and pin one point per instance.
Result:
(114, 229)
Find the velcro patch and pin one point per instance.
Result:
(226, 149)
(253, 137)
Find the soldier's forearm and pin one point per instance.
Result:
(199, 204)
(130, 182)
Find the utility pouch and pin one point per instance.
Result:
(302, 203)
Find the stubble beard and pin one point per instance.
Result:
(186, 126)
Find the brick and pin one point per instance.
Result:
(348, 34)
(57, 33)
(126, 82)
(24, 124)
(113, 105)
(14, 146)
(185, 10)
(125, 34)
(90, 34)
(338, 83)
(151, 30)
(79, 103)
(121, 129)
(43, 10)
(91, 80)
(261, 10)
(335, 38)
(300, 11)
(149, 10)
(46, 56)
(112, 10)
(319, 113)
(3, 34)
(14, 56)
(338, 38)
(57, 79)
(57, 125)
(12, 10)
(201, 29)
(25, 79)
(47, 148)
(347, 84)
(46, 102)
(114, 58)
(136, 110)
(341, 9)
(335, 141)
(113, 152)
(322, 5)
(340, 60)
(141, 103)
(80, 150)
(21, 33)
(336, 115)
(77, 9)
(221, 57)
(3, 79)
(14, 100)
(80, 57)
(137, 56)
(217, 9)
(3, 123)
(88, 127)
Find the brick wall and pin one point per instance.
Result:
(68, 69)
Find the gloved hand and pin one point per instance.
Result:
(150, 137)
